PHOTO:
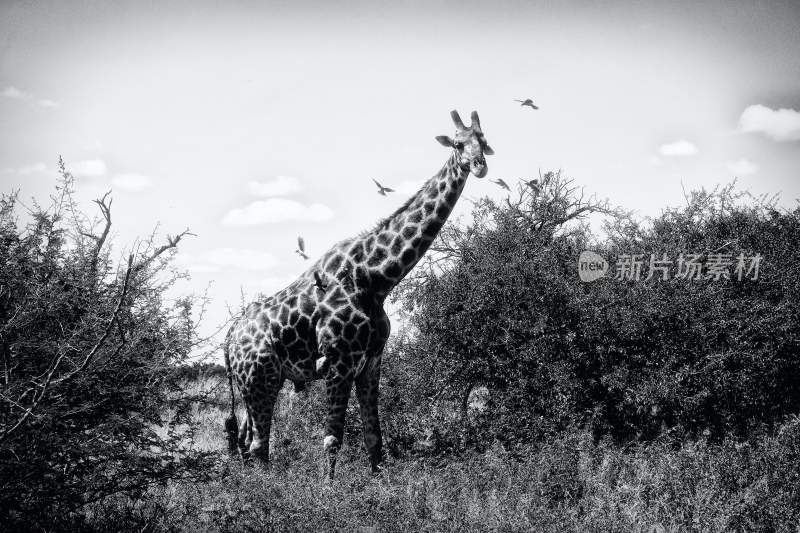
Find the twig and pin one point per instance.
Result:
(172, 242)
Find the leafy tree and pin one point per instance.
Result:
(88, 353)
(501, 306)
(717, 356)
(497, 306)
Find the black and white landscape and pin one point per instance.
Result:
(399, 266)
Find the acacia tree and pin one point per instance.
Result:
(88, 351)
(502, 306)
(701, 355)
(495, 303)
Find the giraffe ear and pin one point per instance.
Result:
(487, 150)
(444, 140)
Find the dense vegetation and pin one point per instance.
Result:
(631, 359)
(517, 398)
(567, 482)
(88, 356)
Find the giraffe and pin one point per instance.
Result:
(330, 323)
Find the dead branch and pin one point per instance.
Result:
(172, 242)
(99, 240)
(555, 203)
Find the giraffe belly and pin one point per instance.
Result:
(300, 365)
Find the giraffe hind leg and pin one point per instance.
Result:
(263, 385)
(245, 436)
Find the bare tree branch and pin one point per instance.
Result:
(172, 242)
(99, 240)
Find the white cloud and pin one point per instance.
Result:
(88, 168)
(13, 92)
(274, 210)
(219, 259)
(677, 148)
(132, 182)
(777, 124)
(743, 167)
(32, 169)
(35, 168)
(17, 94)
(280, 186)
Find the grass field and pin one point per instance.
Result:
(569, 483)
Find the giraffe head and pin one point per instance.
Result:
(470, 144)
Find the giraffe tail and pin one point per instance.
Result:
(231, 424)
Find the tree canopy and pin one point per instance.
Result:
(501, 306)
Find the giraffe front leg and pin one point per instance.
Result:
(338, 384)
(367, 392)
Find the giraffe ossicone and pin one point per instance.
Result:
(303, 333)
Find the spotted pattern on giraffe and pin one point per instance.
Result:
(303, 333)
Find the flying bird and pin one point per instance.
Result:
(534, 184)
(318, 282)
(501, 183)
(527, 102)
(381, 189)
(301, 248)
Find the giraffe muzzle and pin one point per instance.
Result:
(478, 167)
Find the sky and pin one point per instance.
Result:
(254, 122)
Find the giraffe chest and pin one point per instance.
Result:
(295, 330)
(352, 334)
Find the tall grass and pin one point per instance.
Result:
(568, 483)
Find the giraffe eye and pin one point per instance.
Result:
(459, 146)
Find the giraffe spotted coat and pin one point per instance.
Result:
(336, 331)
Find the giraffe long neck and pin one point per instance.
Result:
(384, 255)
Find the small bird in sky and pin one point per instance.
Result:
(527, 102)
(381, 189)
(501, 183)
(318, 282)
(301, 248)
